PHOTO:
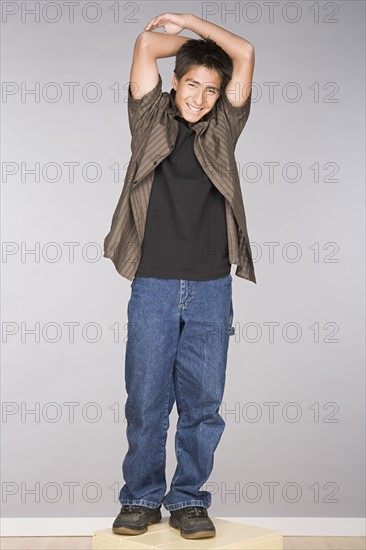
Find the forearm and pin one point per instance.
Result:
(233, 44)
(161, 45)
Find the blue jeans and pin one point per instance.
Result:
(177, 344)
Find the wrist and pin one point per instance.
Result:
(188, 20)
(196, 25)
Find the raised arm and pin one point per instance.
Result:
(240, 50)
(149, 47)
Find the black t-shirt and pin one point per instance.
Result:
(185, 234)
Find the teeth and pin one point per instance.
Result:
(193, 109)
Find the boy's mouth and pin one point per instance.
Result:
(193, 109)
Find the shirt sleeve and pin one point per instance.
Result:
(235, 117)
(139, 109)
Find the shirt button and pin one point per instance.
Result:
(155, 162)
(135, 182)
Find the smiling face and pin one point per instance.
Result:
(197, 92)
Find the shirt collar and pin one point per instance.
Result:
(173, 110)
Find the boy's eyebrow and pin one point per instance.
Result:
(209, 85)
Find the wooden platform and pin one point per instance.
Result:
(229, 535)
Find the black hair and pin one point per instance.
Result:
(205, 52)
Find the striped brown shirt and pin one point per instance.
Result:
(153, 133)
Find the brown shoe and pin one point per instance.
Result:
(193, 522)
(133, 519)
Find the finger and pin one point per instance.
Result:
(151, 23)
(157, 21)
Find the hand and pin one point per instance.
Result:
(173, 23)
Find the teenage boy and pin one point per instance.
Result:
(178, 226)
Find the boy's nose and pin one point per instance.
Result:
(199, 98)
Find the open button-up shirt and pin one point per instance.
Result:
(154, 129)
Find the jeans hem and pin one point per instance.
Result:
(140, 502)
(179, 505)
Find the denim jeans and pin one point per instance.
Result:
(177, 344)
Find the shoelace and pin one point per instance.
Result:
(196, 511)
(131, 508)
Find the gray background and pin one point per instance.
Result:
(294, 439)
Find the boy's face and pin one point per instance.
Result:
(197, 92)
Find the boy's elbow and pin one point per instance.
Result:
(143, 38)
(249, 49)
